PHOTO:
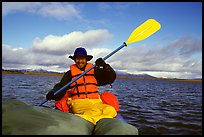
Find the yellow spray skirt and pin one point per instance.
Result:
(91, 109)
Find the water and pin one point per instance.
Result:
(154, 107)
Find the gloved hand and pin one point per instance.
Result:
(50, 95)
(100, 62)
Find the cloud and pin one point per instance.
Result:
(51, 53)
(188, 46)
(179, 57)
(12, 7)
(15, 56)
(61, 11)
(103, 6)
(66, 44)
(26, 58)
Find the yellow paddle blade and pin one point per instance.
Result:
(145, 30)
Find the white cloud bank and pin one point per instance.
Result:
(66, 44)
(179, 59)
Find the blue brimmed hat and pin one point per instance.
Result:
(82, 53)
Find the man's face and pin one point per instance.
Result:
(80, 62)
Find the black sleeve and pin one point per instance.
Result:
(105, 75)
(65, 79)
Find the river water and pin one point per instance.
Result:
(155, 107)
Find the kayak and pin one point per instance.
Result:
(20, 118)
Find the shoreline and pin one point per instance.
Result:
(165, 79)
(119, 77)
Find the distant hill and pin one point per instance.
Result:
(196, 79)
(45, 72)
(125, 75)
(119, 73)
(31, 72)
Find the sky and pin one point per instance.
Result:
(42, 35)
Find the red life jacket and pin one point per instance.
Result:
(110, 99)
(86, 86)
(62, 103)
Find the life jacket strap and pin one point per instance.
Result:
(74, 94)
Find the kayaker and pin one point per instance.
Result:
(83, 97)
(95, 112)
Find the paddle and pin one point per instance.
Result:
(145, 30)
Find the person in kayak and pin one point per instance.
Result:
(82, 95)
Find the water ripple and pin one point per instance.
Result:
(154, 107)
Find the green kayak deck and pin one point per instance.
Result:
(19, 118)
